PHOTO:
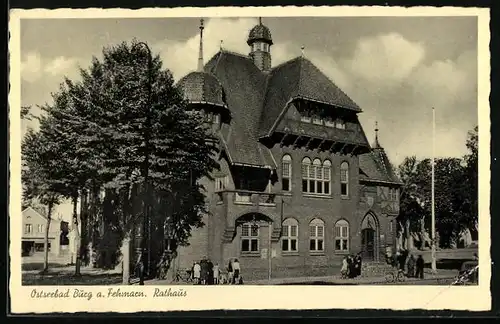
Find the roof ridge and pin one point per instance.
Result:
(234, 53)
(356, 106)
(284, 63)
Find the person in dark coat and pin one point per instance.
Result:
(411, 266)
(359, 261)
(420, 267)
(352, 270)
(210, 279)
(204, 270)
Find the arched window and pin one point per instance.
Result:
(317, 186)
(286, 173)
(249, 237)
(327, 172)
(290, 235)
(344, 179)
(316, 235)
(342, 236)
(306, 172)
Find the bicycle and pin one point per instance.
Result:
(396, 276)
(183, 276)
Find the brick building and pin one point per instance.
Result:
(299, 185)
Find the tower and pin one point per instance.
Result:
(260, 41)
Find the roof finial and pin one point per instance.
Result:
(260, 20)
(302, 49)
(221, 44)
(377, 144)
(200, 56)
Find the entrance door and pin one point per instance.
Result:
(368, 243)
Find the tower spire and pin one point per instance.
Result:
(200, 55)
(376, 144)
(260, 20)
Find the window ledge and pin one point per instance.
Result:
(287, 253)
(345, 197)
(250, 254)
(308, 195)
(243, 203)
(220, 203)
(342, 252)
(315, 253)
(267, 204)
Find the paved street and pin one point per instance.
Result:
(443, 277)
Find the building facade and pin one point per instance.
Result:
(299, 185)
(33, 237)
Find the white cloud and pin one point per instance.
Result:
(31, 67)
(61, 66)
(387, 58)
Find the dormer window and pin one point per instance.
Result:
(317, 120)
(305, 117)
(340, 124)
(329, 122)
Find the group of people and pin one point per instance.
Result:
(351, 266)
(207, 273)
(406, 262)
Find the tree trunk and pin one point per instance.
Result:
(77, 236)
(407, 234)
(126, 258)
(46, 240)
(84, 223)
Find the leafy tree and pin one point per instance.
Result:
(38, 177)
(124, 120)
(455, 195)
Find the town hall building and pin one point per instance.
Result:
(299, 186)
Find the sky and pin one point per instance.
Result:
(395, 68)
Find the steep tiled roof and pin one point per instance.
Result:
(299, 78)
(201, 87)
(244, 85)
(375, 166)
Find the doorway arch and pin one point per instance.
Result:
(369, 238)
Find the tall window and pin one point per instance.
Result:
(342, 236)
(316, 176)
(290, 236)
(344, 179)
(28, 228)
(286, 173)
(316, 235)
(306, 171)
(249, 238)
(327, 173)
(40, 228)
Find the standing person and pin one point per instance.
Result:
(411, 266)
(230, 271)
(343, 270)
(210, 266)
(216, 274)
(237, 271)
(420, 267)
(350, 266)
(360, 263)
(204, 270)
(196, 273)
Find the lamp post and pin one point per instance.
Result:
(146, 261)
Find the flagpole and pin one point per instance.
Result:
(433, 214)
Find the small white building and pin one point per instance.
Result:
(33, 236)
